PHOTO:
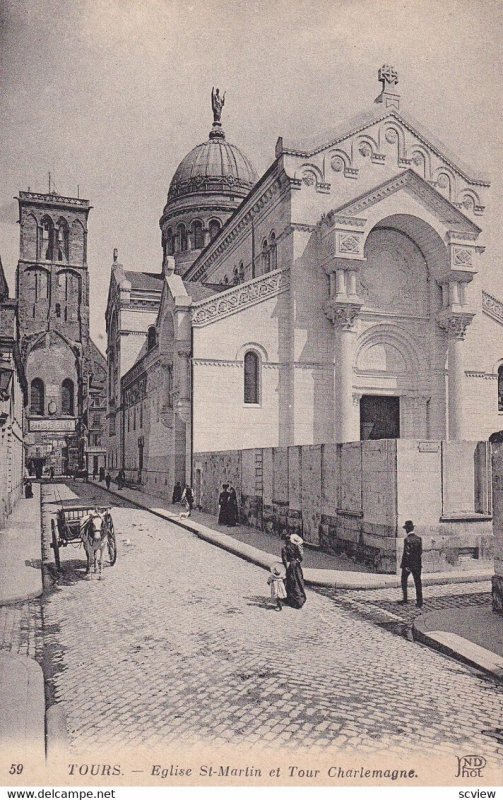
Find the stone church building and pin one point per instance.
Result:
(60, 360)
(326, 320)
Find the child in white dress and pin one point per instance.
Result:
(277, 584)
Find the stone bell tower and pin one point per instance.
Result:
(53, 298)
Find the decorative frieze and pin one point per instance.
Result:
(241, 296)
(492, 306)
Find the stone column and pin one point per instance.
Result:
(455, 325)
(343, 315)
(183, 374)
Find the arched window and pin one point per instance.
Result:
(47, 248)
(67, 397)
(500, 388)
(151, 337)
(251, 382)
(37, 404)
(170, 246)
(241, 272)
(235, 276)
(266, 257)
(273, 249)
(182, 237)
(63, 239)
(197, 235)
(214, 228)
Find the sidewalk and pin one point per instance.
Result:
(20, 552)
(473, 635)
(320, 569)
(22, 713)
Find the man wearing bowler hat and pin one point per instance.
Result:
(411, 562)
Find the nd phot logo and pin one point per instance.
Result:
(470, 766)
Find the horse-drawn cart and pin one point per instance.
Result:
(88, 524)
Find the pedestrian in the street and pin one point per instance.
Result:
(233, 514)
(188, 499)
(412, 562)
(291, 556)
(223, 502)
(51, 473)
(276, 581)
(108, 480)
(102, 474)
(28, 489)
(177, 493)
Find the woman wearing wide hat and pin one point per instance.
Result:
(291, 556)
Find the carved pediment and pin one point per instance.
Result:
(383, 138)
(418, 188)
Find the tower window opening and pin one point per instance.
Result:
(214, 228)
(197, 235)
(500, 388)
(182, 238)
(37, 393)
(266, 257)
(273, 251)
(47, 250)
(67, 392)
(151, 337)
(62, 241)
(170, 245)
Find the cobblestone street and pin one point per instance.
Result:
(179, 642)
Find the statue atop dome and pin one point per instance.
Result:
(217, 103)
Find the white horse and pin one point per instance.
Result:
(94, 535)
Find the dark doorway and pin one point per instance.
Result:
(379, 417)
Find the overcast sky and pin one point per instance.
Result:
(111, 94)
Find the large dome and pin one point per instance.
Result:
(213, 166)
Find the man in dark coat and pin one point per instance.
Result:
(412, 562)
(177, 493)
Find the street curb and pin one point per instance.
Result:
(56, 733)
(423, 637)
(24, 691)
(35, 593)
(312, 576)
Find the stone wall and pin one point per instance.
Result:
(354, 498)
(497, 489)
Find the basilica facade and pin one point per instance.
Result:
(339, 298)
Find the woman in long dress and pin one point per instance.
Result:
(291, 556)
(223, 502)
(233, 515)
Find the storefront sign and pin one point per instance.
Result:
(53, 425)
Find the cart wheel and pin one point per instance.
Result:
(55, 545)
(112, 544)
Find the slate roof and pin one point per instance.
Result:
(200, 291)
(149, 281)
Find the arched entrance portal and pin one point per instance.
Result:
(398, 375)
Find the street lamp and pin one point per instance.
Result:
(5, 381)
